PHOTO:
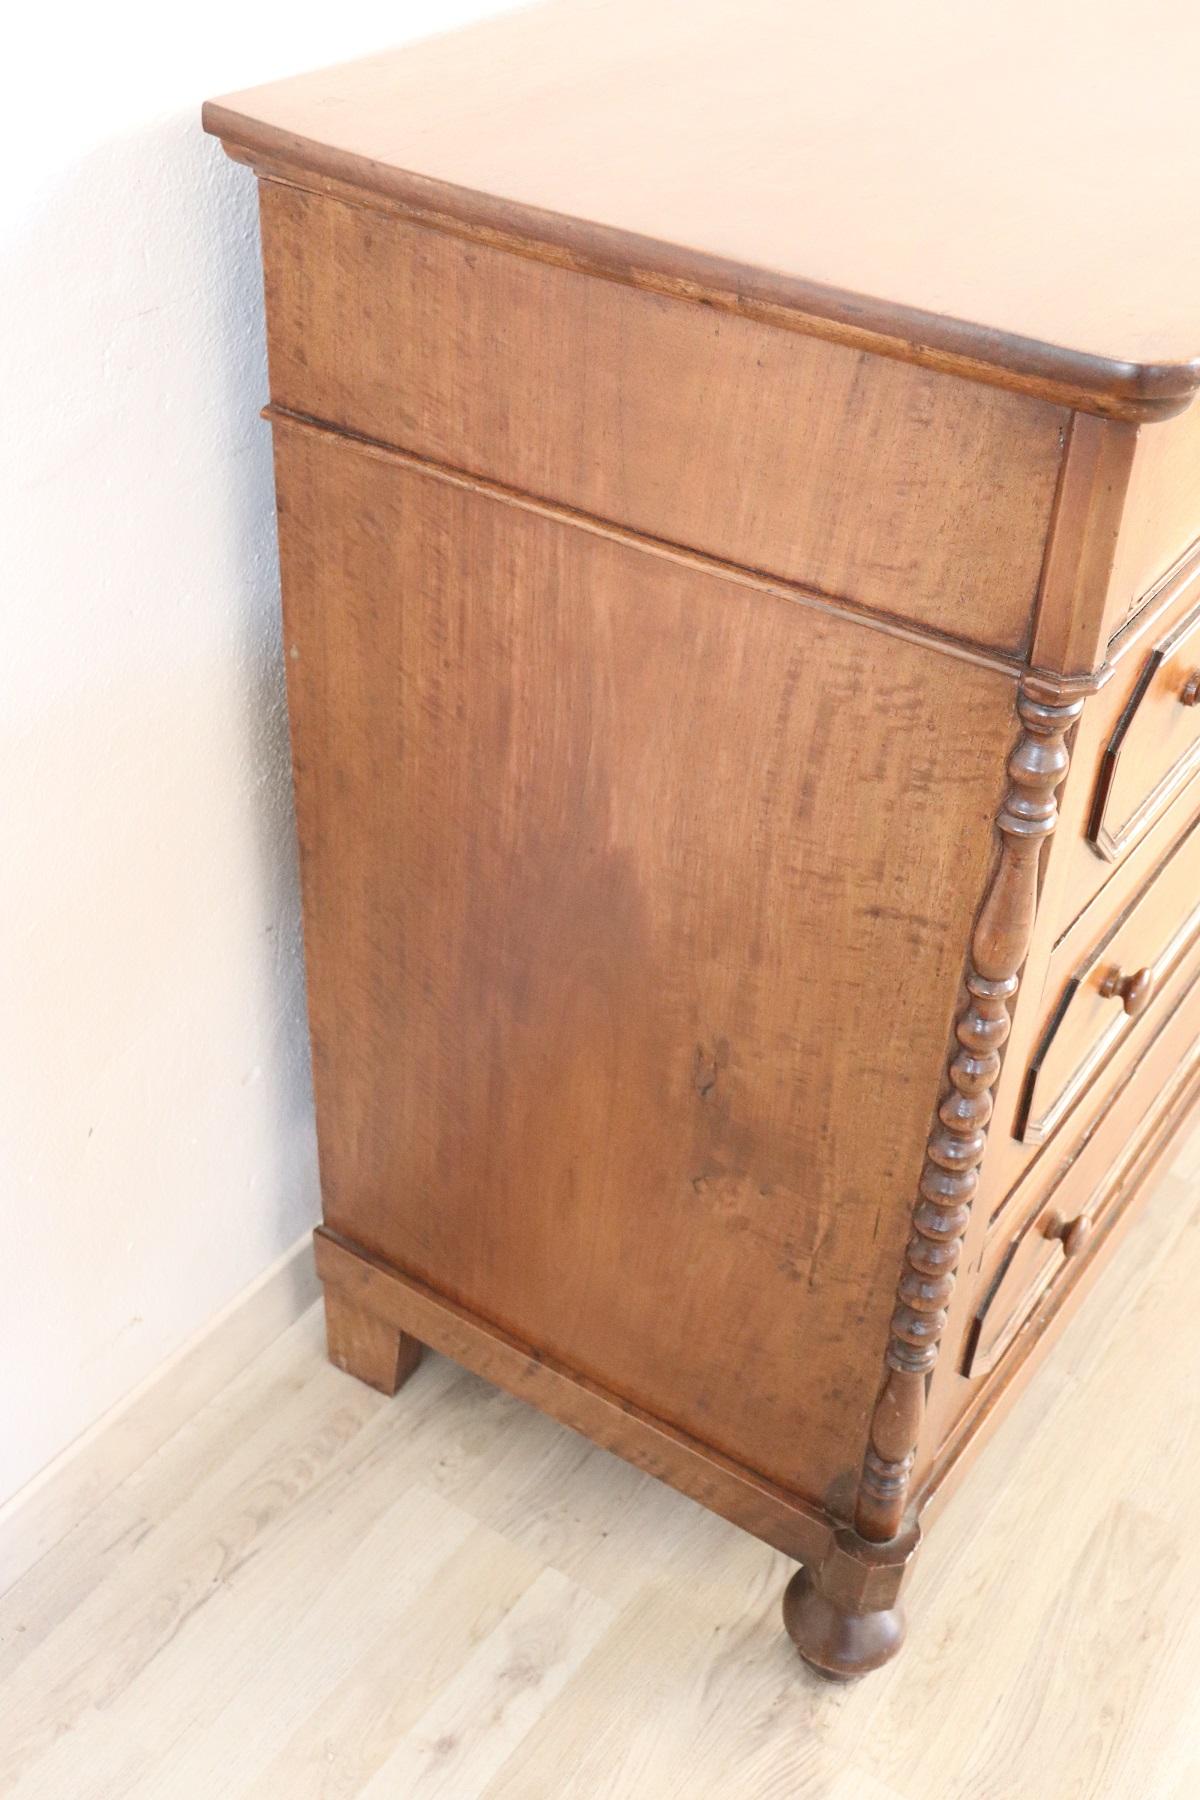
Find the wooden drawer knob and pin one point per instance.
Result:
(1074, 1233)
(1133, 991)
(1190, 693)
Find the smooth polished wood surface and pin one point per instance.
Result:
(558, 1047)
(305, 1590)
(888, 486)
(1016, 199)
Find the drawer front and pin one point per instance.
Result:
(1135, 763)
(1088, 1187)
(1161, 514)
(1108, 990)
(1051, 1241)
(1154, 749)
(870, 480)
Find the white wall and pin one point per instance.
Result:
(158, 1147)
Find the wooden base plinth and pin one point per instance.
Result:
(367, 1346)
(841, 1609)
(408, 1306)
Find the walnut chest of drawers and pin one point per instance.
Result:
(743, 650)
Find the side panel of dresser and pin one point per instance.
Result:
(875, 482)
(634, 904)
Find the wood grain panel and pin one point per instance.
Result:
(634, 899)
(894, 487)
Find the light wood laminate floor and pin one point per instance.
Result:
(308, 1590)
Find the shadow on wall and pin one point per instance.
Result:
(154, 1049)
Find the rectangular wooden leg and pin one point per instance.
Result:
(364, 1345)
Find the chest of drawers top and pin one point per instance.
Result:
(1008, 194)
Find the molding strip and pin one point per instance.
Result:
(1075, 379)
(776, 586)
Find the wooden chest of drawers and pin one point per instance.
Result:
(746, 733)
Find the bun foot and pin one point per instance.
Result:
(836, 1643)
